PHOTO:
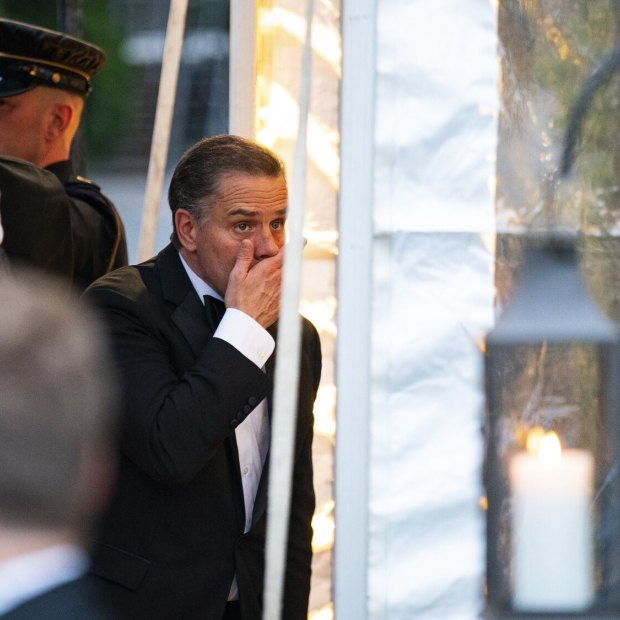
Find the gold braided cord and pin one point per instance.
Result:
(38, 61)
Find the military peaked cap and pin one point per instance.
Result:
(31, 56)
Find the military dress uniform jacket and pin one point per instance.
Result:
(173, 538)
(35, 216)
(98, 234)
(54, 221)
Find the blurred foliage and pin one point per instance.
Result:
(548, 50)
(107, 111)
(109, 105)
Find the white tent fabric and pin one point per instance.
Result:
(435, 138)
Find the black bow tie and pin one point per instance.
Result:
(214, 309)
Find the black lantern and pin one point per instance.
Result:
(552, 379)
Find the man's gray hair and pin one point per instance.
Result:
(196, 178)
(58, 400)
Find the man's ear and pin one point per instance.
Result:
(186, 228)
(60, 117)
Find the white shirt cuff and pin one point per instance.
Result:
(246, 335)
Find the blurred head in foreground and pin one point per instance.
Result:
(57, 415)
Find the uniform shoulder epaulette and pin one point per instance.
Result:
(89, 192)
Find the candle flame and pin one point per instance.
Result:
(550, 449)
(546, 446)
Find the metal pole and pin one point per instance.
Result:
(163, 123)
(288, 355)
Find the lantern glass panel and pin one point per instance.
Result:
(551, 387)
(554, 386)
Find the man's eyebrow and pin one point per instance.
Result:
(252, 212)
(242, 211)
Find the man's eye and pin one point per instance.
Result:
(277, 225)
(243, 226)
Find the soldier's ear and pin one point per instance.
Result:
(186, 228)
(60, 116)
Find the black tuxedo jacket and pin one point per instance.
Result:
(173, 538)
(74, 600)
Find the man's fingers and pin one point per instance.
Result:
(246, 251)
(245, 256)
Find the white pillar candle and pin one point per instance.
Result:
(552, 548)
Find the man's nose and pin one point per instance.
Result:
(265, 244)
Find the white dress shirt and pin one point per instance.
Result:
(26, 576)
(252, 435)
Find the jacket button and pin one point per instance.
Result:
(252, 401)
(234, 423)
(247, 409)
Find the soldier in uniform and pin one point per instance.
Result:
(51, 217)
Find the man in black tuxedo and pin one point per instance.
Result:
(57, 406)
(184, 537)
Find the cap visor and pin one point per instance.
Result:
(12, 85)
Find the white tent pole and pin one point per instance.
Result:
(163, 122)
(242, 72)
(355, 278)
(288, 355)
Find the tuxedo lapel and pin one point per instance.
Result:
(188, 313)
(190, 319)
